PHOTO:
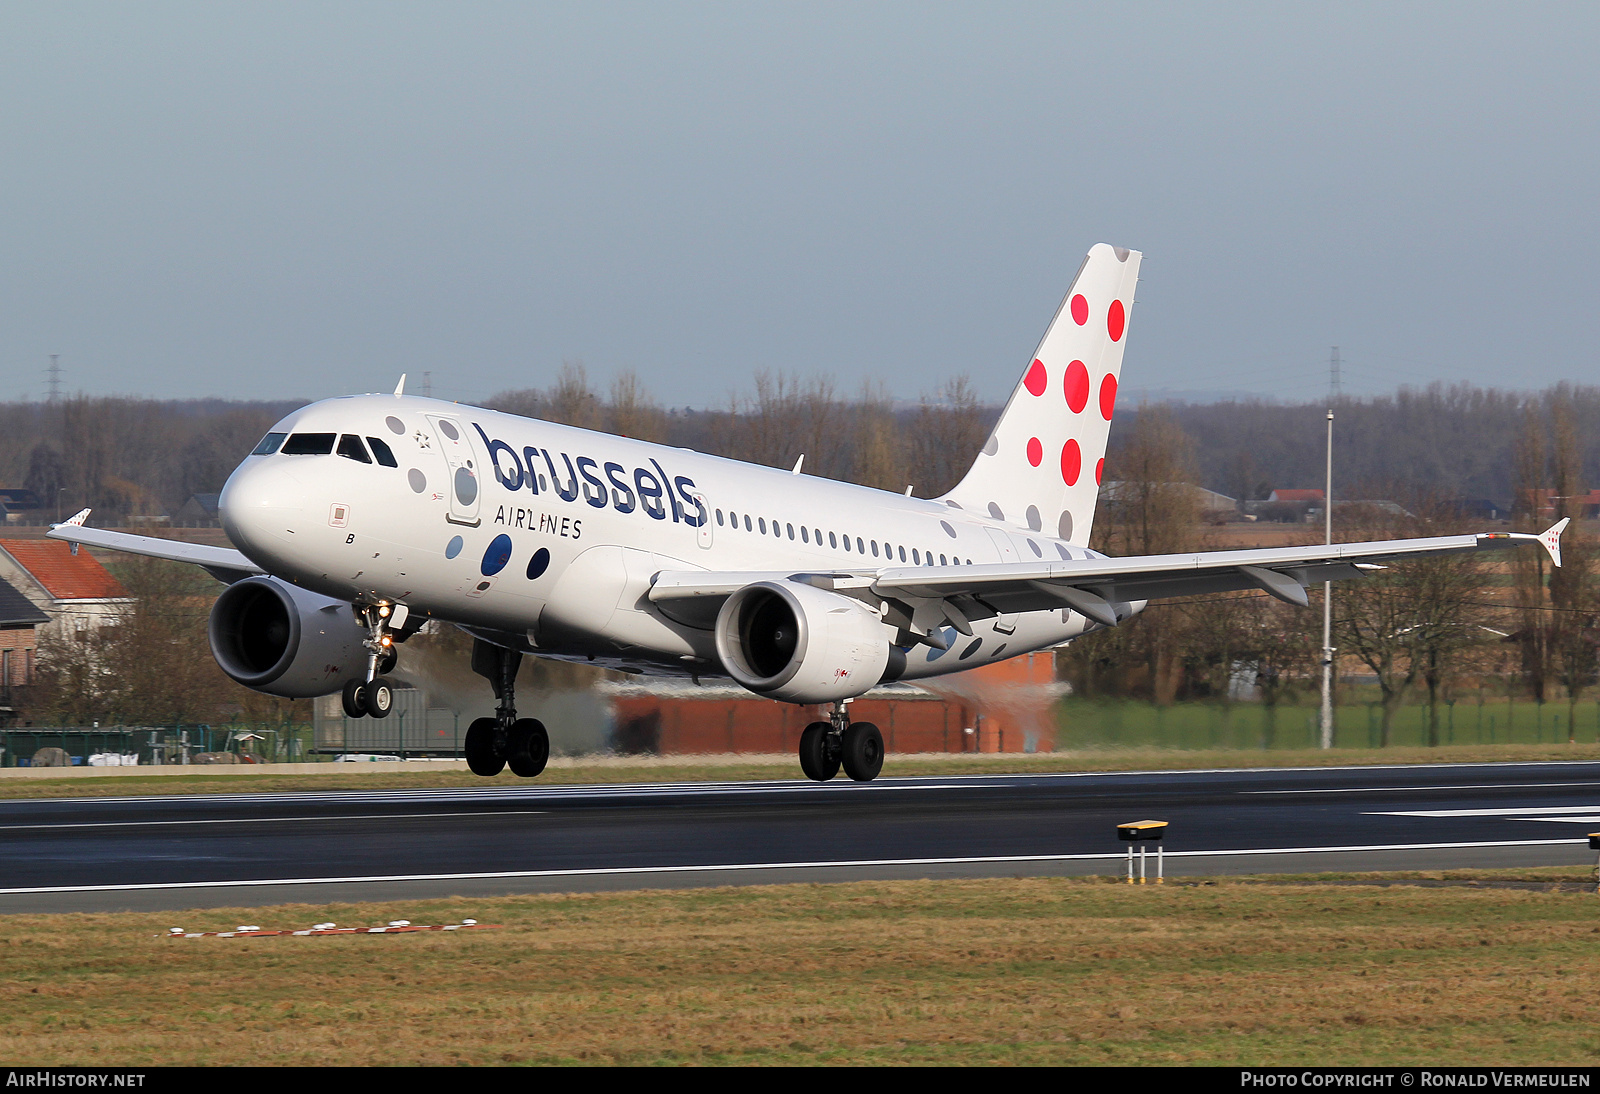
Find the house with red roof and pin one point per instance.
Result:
(70, 587)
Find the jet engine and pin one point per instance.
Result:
(274, 637)
(801, 644)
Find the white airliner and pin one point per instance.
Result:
(357, 520)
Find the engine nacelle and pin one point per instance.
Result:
(276, 638)
(801, 644)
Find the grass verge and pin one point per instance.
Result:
(1021, 971)
(721, 769)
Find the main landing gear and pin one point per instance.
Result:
(372, 695)
(492, 744)
(825, 746)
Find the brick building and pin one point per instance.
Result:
(19, 622)
(1005, 707)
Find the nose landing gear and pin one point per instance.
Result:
(372, 695)
(826, 746)
(493, 743)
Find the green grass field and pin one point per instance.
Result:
(1025, 971)
(1357, 721)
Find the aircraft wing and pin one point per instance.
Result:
(223, 563)
(1101, 589)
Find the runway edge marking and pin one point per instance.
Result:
(744, 866)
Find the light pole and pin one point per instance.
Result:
(1327, 601)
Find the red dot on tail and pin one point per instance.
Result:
(1036, 379)
(1071, 463)
(1035, 451)
(1076, 384)
(1099, 470)
(1080, 310)
(1116, 321)
(1108, 396)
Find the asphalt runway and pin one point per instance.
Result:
(107, 854)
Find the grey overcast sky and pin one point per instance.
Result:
(274, 200)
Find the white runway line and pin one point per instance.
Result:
(1508, 812)
(1413, 789)
(739, 867)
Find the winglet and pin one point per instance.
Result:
(400, 388)
(1551, 538)
(75, 520)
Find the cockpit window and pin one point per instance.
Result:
(269, 444)
(309, 444)
(351, 448)
(383, 453)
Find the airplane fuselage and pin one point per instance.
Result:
(548, 536)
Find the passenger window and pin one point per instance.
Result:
(269, 444)
(351, 448)
(874, 548)
(942, 562)
(902, 554)
(805, 534)
(818, 533)
(832, 541)
(719, 518)
(846, 543)
(916, 556)
(790, 527)
(309, 444)
(861, 548)
(747, 522)
(762, 521)
(382, 452)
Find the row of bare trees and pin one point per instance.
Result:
(1421, 629)
(866, 439)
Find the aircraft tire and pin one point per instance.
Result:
(814, 758)
(529, 747)
(354, 699)
(479, 747)
(863, 752)
(379, 698)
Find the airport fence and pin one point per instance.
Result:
(112, 746)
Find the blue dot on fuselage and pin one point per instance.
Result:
(539, 563)
(453, 548)
(498, 554)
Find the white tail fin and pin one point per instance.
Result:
(1041, 467)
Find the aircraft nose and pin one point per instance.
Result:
(260, 507)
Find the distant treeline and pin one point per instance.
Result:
(129, 457)
(1444, 441)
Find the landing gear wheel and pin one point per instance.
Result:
(529, 747)
(379, 698)
(355, 699)
(815, 760)
(482, 757)
(863, 752)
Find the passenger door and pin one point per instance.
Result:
(465, 486)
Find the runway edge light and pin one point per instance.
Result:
(1139, 831)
